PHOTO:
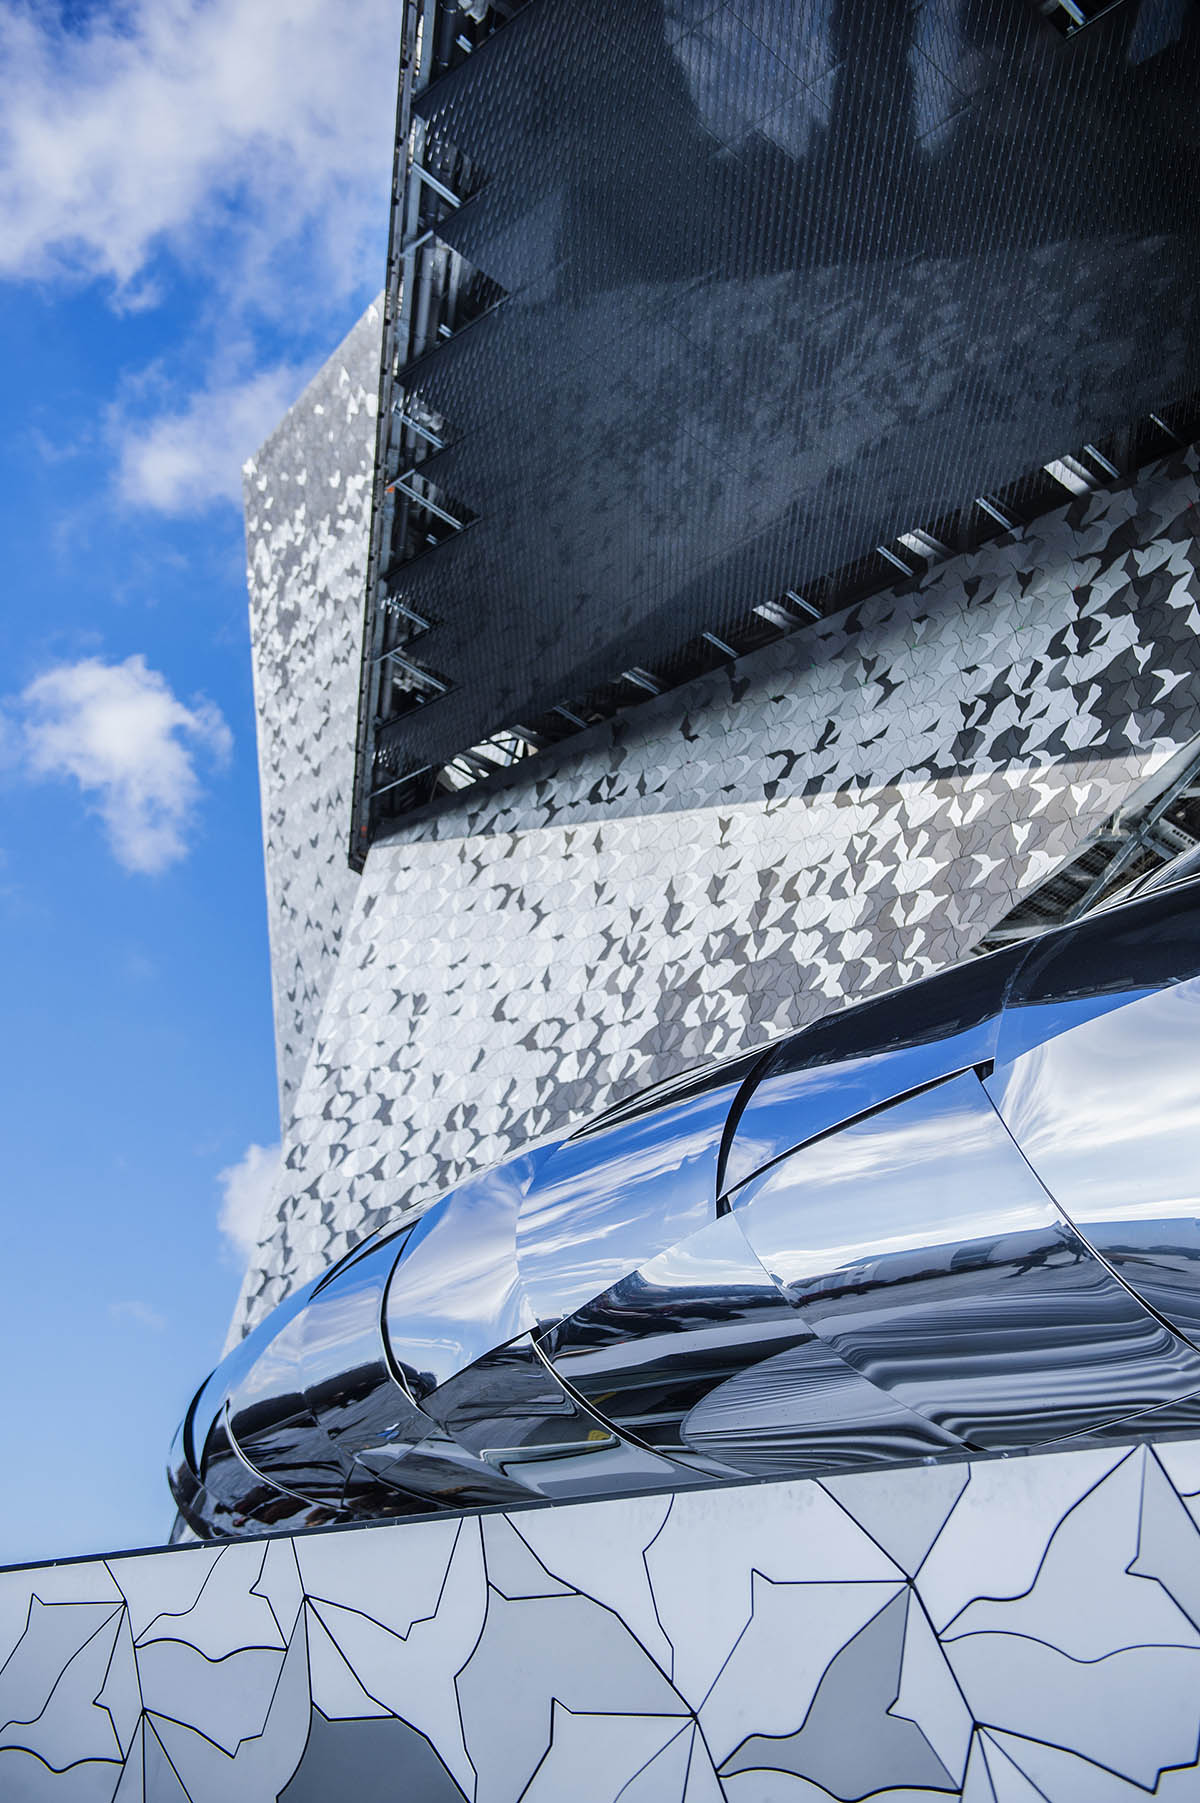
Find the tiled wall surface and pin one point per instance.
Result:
(1002, 1632)
(851, 807)
(307, 503)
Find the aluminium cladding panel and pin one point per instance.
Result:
(307, 498)
(995, 1629)
(847, 810)
(783, 281)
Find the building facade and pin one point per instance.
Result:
(829, 787)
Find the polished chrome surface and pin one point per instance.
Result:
(605, 1203)
(806, 1410)
(856, 1060)
(921, 1248)
(1108, 1115)
(962, 1218)
(1103, 962)
(653, 1345)
(455, 1292)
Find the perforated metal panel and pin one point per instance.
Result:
(738, 299)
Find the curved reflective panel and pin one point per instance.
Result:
(511, 1411)
(455, 1293)
(1100, 963)
(440, 1472)
(675, 1089)
(864, 1056)
(209, 1401)
(806, 1410)
(387, 1234)
(602, 1205)
(1181, 1416)
(348, 1385)
(273, 1428)
(1108, 1115)
(919, 1245)
(645, 1352)
(584, 1320)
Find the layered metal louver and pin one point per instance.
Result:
(959, 1219)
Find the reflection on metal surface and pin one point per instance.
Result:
(807, 1410)
(649, 1349)
(1108, 1115)
(962, 1218)
(1105, 962)
(848, 1063)
(918, 1244)
(455, 1294)
(605, 1203)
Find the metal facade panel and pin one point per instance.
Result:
(783, 282)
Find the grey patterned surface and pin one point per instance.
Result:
(850, 808)
(1000, 1632)
(307, 502)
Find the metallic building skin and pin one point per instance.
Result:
(697, 304)
(959, 1218)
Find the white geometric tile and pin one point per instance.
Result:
(805, 1537)
(1084, 1599)
(616, 1569)
(153, 1585)
(512, 1567)
(663, 1778)
(565, 1648)
(594, 1758)
(929, 1696)
(336, 1692)
(781, 1655)
(1033, 1690)
(970, 1559)
(69, 1727)
(227, 1613)
(226, 1699)
(393, 1575)
(906, 1510)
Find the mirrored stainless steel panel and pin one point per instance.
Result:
(1108, 1115)
(273, 1428)
(864, 1056)
(348, 1384)
(604, 1204)
(511, 1411)
(919, 1245)
(1098, 964)
(586, 1320)
(455, 1293)
(805, 1411)
(233, 1371)
(1182, 1416)
(441, 1472)
(645, 1352)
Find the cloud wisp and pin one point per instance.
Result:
(178, 463)
(131, 745)
(247, 1187)
(225, 163)
(184, 122)
(139, 1312)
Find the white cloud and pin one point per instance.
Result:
(130, 744)
(248, 1187)
(179, 463)
(153, 122)
(141, 1312)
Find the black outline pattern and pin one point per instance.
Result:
(1123, 1516)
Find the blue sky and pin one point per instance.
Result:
(192, 213)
